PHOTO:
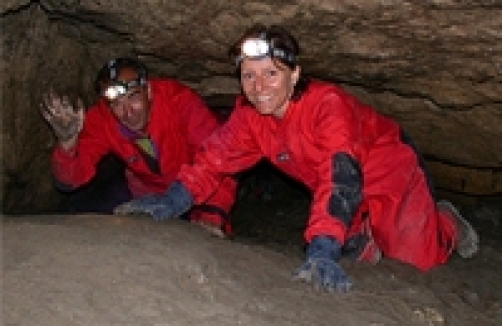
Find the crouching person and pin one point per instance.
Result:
(153, 125)
(371, 195)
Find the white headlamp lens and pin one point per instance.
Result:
(258, 48)
(114, 91)
(255, 48)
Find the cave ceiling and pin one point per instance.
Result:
(433, 65)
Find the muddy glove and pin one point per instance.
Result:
(65, 119)
(321, 267)
(174, 203)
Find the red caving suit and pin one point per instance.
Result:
(326, 121)
(179, 122)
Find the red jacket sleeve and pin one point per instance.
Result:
(200, 123)
(227, 151)
(336, 131)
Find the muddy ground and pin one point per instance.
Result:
(89, 269)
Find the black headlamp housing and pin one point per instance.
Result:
(118, 88)
(108, 76)
(259, 48)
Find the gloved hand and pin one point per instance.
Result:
(321, 266)
(66, 120)
(174, 203)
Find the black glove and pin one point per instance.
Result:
(321, 266)
(174, 203)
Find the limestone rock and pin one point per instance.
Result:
(433, 65)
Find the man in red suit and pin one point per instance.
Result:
(153, 125)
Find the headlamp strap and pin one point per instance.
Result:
(140, 81)
(260, 47)
(113, 69)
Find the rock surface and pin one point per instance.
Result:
(99, 270)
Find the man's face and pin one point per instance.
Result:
(133, 108)
(268, 85)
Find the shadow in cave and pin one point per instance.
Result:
(271, 208)
(105, 191)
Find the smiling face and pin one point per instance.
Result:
(268, 85)
(133, 108)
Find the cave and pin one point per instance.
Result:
(433, 66)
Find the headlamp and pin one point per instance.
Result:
(118, 88)
(259, 48)
(255, 48)
(114, 91)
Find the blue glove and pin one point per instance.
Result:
(321, 266)
(174, 203)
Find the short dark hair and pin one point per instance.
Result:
(281, 39)
(112, 69)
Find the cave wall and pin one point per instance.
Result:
(433, 65)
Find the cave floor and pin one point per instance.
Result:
(89, 269)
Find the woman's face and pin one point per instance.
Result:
(268, 85)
